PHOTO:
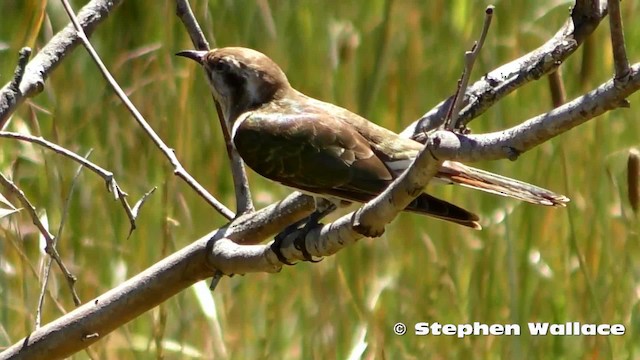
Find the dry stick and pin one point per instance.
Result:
(618, 47)
(184, 12)
(50, 248)
(168, 152)
(45, 61)
(25, 259)
(502, 81)
(135, 210)
(244, 204)
(13, 88)
(533, 132)
(451, 121)
(107, 176)
(47, 269)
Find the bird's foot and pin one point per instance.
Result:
(311, 222)
(276, 247)
(300, 241)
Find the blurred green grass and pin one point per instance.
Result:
(399, 59)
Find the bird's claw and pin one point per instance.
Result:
(276, 247)
(298, 242)
(300, 245)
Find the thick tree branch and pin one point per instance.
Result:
(535, 131)
(39, 68)
(95, 319)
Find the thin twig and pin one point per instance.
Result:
(168, 152)
(47, 269)
(500, 82)
(451, 121)
(50, 248)
(107, 176)
(184, 12)
(618, 47)
(46, 60)
(244, 204)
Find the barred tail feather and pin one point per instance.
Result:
(460, 174)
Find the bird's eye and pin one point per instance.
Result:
(220, 66)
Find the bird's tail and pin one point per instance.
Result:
(443, 210)
(457, 173)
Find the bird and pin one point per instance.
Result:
(328, 151)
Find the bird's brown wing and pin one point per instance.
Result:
(318, 153)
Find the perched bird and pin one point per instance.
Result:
(325, 150)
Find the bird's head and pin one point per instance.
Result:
(241, 79)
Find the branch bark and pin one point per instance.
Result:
(61, 45)
(511, 142)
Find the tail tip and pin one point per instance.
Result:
(556, 200)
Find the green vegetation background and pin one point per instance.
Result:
(397, 60)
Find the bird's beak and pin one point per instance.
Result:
(195, 55)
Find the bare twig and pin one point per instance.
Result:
(47, 268)
(244, 204)
(50, 248)
(495, 85)
(92, 321)
(45, 61)
(136, 208)
(106, 175)
(618, 46)
(184, 12)
(451, 120)
(168, 152)
(535, 131)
